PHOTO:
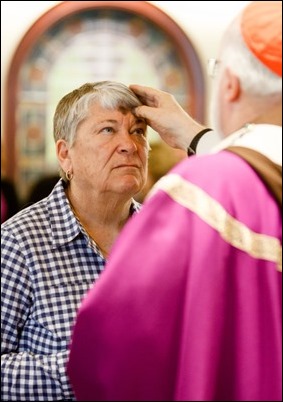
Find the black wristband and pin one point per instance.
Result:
(193, 145)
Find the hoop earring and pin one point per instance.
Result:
(69, 175)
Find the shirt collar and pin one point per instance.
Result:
(64, 225)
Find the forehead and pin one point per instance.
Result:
(97, 112)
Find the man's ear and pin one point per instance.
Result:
(232, 86)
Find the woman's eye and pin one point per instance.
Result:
(107, 130)
(139, 131)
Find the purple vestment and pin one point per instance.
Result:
(190, 305)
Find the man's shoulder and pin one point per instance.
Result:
(215, 167)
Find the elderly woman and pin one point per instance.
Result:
(54, 250)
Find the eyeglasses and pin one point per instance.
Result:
(212, 67)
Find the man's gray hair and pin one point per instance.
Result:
(255, 77)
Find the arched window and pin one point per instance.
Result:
(86, 41)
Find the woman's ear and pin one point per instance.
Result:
(63, 155)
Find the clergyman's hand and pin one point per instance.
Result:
(164, 115)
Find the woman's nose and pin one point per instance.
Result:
(127, 143)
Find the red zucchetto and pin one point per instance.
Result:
(261, 26)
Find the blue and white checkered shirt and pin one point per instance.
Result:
(48, 263)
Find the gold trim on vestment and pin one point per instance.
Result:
(212, 212)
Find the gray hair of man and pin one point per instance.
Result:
(255, 78)
(74, 107)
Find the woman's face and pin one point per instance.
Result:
(110, 152)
